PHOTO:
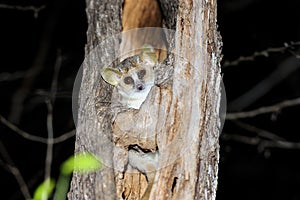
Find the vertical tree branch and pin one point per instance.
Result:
(93, 132)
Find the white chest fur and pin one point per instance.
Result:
(135, 98)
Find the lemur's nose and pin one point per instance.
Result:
(140, 87)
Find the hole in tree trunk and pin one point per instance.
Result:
(174, 184)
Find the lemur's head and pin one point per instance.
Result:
(134, 76)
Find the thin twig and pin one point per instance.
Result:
(49, 152)
(263, 110)
(36, 10)
(260, 132)
(34, 138)
(11, 167)
(50, 102)
(240, 138)
(62, 94)
(264, 53)
(285, 68)
(33, 181)
(261, 143)
(6, 76)
(18, 98)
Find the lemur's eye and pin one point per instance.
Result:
(128, 80)
(141, 73)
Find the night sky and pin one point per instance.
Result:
(249, 169)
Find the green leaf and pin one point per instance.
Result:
(44, 190)
(82, 163)
(86, 162)
(68, 166)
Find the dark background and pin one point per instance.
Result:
(247, 171)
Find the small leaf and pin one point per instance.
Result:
(83, 163)
(44, 190)
(86, 162)
(68, 166)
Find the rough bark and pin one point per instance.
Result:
(92, 131)
(184, 113)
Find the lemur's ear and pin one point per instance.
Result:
(111, 75)
(148, 55)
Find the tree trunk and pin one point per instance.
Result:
(184, 111)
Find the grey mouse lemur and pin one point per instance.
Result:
(133, 78)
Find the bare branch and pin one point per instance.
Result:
(287, 67)
(265, 53)
(50, 103)
(6, 76)
(261, 143)
(64, 136)
(18, 98)
(240, 138)
(34, 138)
(61, 94)
(49, 151)
(36, 10)
(21, 132)
(57, 67)
(263, 110)
(260, 132)
(11, 167)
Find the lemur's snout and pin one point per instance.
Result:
(140, 87)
